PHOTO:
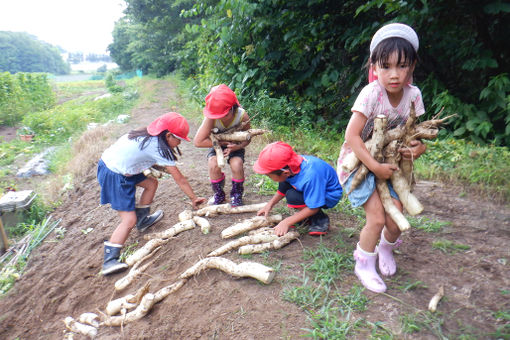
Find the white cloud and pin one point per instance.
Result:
(75, 25)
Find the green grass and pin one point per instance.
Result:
(426, 224)
(449, 247)
(481, 168)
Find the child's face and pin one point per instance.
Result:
(172, 140)
(228, 116)
(393, 76)
(279, 178)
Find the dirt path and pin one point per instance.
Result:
(62, 276)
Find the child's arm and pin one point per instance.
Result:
(183, 183)
(283, 227)
(201, 139)
(354, 141)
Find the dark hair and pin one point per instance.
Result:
(164, 149)
(406, 52)
(279, 171)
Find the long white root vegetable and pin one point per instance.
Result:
(154, 173)
(239, 136)
(203, 223)
(145, 250)
(185, 215)
(250, 224)
(226, 208)
(75, 326)
(140, 311)
(400, 184)
(435, 299)
(374, 147)
(127, 302)
(244, 269)
(165, 291)
(172, 231)
(276, 244)
(91, 319)
(220, 159)
(254, 239)
(136, 270)
(389, 206)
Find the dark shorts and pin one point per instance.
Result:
(237, 153)
(116, 189)
(294, 198)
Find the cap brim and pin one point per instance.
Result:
(260, 170)
(213, 115)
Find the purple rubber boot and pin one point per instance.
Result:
(219, 195)
(236, 194)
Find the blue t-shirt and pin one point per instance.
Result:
(125, 157)
(318, 182)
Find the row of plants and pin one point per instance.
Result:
(54, 127)
(23, 92)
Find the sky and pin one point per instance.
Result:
(75, 25)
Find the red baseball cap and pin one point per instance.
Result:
(171, 121)
(276, 156)
(219, 101)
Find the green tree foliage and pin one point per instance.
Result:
(150, 37)
(310, 54)
(22, 52)
(22, 93)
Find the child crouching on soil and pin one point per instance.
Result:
(393, 56)
(223, 112)
(120, 171)
(308, 183)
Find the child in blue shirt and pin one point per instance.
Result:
(120, 171)
(307, 182)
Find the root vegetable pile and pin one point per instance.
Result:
(132, 307)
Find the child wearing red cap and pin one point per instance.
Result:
(120, 171)
(222, 111)
(307, 182)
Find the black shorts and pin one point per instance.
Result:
(238, 153)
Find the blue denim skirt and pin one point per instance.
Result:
(364, 190)
(116, 189)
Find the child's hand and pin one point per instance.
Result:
(264, 211)
(230, 148)
(197, 201)
(415, 150)
(281, 229)
(385, 170)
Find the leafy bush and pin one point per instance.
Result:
(21, 93)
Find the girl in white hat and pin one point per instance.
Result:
(393, 57)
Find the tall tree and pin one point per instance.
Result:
(22, 52)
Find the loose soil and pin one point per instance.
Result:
(62, 276)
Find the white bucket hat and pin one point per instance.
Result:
(395, 31)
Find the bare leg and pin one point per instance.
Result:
(149, 185)
(127, 222)
(214, 170)
(236, 165)
(375, 217)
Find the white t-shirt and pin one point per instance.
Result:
(373, 101)
(125, 157)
